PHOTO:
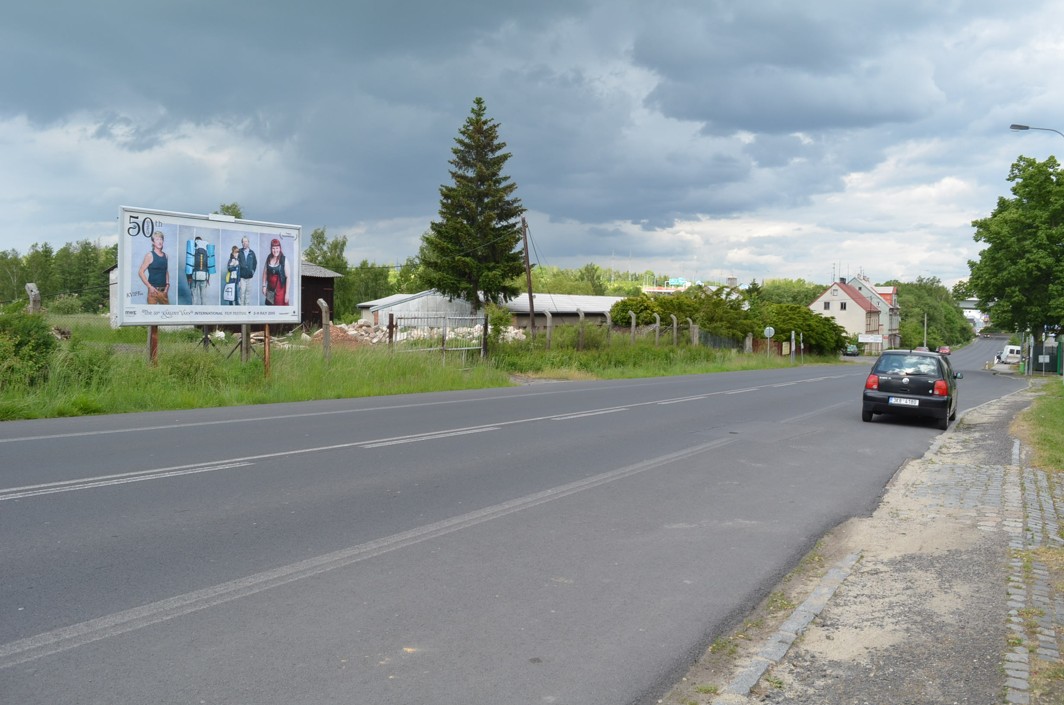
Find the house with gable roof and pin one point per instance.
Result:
(885, 298)
(850, 309)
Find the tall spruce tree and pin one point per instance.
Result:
(472, 248)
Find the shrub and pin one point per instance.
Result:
(26, 347)
(642, 306)
(499, 319)
(65, 305)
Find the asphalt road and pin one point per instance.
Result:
(555, 543)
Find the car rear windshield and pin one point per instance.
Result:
(903, 364)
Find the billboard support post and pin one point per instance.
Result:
(266, 348)
(153, 345)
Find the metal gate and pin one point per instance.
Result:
(437, 332)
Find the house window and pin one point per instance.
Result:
(842, 305)
(834, 291)
(827, 305)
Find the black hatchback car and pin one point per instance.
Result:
(911, 383)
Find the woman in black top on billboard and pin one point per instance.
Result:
(155, 271)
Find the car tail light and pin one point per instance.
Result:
(941, 388)
(872, 382)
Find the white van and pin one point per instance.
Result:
(1011, 354)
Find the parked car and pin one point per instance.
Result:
(943, 350)
(851, 350)
(1011, 354)
(911, 383)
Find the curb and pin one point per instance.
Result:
(773, 651)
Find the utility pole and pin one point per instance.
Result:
(528, 279)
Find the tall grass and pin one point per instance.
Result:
(1046, 418)
(100, 370)
(620, 359)
(89, 379)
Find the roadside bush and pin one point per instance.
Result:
(642, 306)
(26, 347)
(65, 305)
(499, 319)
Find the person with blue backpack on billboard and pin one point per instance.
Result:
(199, 266)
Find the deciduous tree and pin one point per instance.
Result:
(1019, 276)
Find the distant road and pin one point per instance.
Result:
(560, 542)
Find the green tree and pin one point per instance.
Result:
(790, 291)
(946, 324)
(961, 290)
(554, 280)
(819, 334)
(12, 283)
(232, 209)
(591, 274)
(408, 279)
(330, 253)
(80, 270)
(370, 282)
(643, 306)
(39, 268)
(1019, 276)
(720, 310)
(473, 248)
(623, 288)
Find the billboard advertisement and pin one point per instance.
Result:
(185, 269)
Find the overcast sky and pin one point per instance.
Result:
(698, 138)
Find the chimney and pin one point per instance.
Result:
(842, 280)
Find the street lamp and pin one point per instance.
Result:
(1019, 128)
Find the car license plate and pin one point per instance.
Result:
(902, 401)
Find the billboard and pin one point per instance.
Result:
(185, 269)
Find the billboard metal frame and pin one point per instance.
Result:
(190, 297)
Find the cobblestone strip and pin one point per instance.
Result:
(1036, 614)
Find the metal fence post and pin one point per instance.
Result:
(657, 328)
(694, 331)
(675, 329)
(550, 327)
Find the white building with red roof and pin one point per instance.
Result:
(852, 310)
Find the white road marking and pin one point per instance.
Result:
(66, 638)
(588, 413)
(229, 463)
(72, 485)
(429, 437)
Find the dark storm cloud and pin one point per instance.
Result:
(624, 118)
